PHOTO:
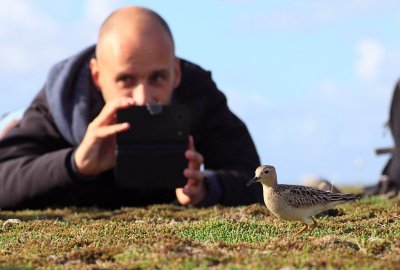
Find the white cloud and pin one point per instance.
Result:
(34, 39)
(22, 16)
(309, 14)
(25, 29)
(250, 103)
(35, 35)
(370, 53)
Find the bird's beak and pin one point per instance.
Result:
(255, 179)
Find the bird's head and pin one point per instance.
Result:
(266, 175)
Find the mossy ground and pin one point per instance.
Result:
(360, 235)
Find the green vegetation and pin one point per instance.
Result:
(360, 235)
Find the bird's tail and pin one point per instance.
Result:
(340, 197)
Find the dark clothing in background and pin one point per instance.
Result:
(392, 169)
(35, 156)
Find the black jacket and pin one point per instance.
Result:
(35, 167)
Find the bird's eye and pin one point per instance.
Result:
(266, 171)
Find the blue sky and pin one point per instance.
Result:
(311, 79)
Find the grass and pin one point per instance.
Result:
(360, 235)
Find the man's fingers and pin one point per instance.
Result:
(195, 159)
(107, 131)
(107, 114)
(182, 196)
(194, 190)
(191, 143)
(194, 177)
(189, 191)
(190, 184)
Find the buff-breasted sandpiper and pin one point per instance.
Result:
(294, 202)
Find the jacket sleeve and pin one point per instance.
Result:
(33, 156)
(228, 149)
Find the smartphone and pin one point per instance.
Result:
(151, 154)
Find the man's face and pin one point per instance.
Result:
(148, 72)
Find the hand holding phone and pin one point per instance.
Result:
(151, 154)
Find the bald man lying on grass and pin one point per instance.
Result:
(62, 152)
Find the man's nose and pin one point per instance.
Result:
(141, 94)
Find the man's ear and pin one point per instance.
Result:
(178, 73)
(94, 72)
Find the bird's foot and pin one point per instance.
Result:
(302, 230)
(313, 226)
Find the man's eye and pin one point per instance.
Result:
(157, 78)
(125, 79)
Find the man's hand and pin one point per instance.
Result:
(96, 153)
(194, 191)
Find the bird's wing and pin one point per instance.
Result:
(302, 196)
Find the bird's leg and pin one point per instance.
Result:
(302, 230)
(313, 226)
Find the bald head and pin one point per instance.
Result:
(130, 23)
(135, 57)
